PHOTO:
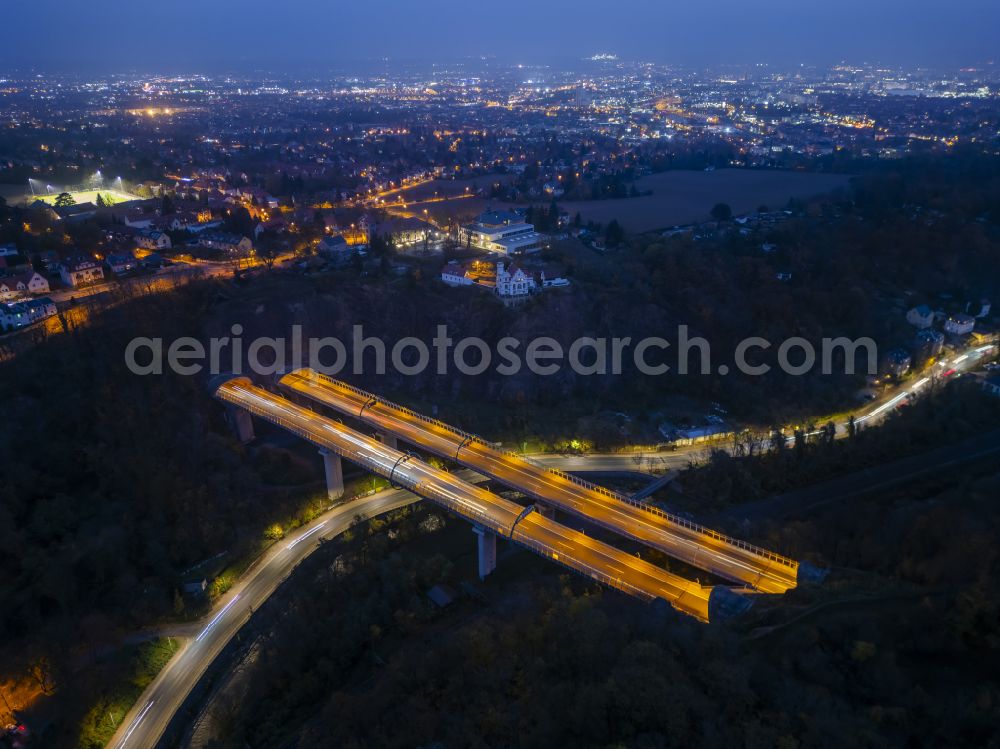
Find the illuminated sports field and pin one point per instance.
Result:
(90, 196)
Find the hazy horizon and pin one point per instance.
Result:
(304, 36)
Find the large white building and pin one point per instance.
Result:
(77, 271)
(514, 281)
(503, 232)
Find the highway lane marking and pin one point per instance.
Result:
(478, 502)
(306, 535)
(467, 497)
(722, 558)
(727, 557)
(216, 618)
(135, 724)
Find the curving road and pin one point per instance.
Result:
(145, 723)
(147, 720)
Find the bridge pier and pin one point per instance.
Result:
(487, 551)
(389, 440)
(334, 474)
(242, 423)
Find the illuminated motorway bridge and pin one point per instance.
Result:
(490, 514)
(701, 547)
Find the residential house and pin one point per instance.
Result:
(151, 239)
(233, 244)
(360, 233)
(153, 261)
(183, 220)
(921, 316)
(50, 259)
(454, 274)
(896, 362)
(929, 342)
(21, 314)
(336, 248)
(42, 211)
(207, 226)
(472, 273)
(959, 325)
(79, 270)
(276, 225)
(195, 587)
(139, 219)
(78, 212)
(552, 278)
(122, 263)
(14, 265)
(13, 287)
(553, 189)
(405, 231)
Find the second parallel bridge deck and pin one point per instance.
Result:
(701, 547)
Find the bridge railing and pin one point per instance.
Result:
(401, 477)
(577, 565)
(671, 518)
(403, 409)
(270, 416)
(471, 514)
(759, 551)
(428, 491)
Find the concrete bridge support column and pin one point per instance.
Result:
(242, 423)
(334, 474)
(487, 551)
(389, 440)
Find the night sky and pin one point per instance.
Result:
(324, 34)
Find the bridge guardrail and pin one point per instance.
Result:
(426, 490)
(676, 519)
(390, 404)
(583, 483)
(401, 477)
(577, 566)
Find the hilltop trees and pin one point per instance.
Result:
(722, 212)
(896, 648)
(127, 483)
(614, 234)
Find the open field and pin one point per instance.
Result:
(679, 197)
(89, 196)
(684, 197)
(447, 187)
(446, 199)
(20, 194)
